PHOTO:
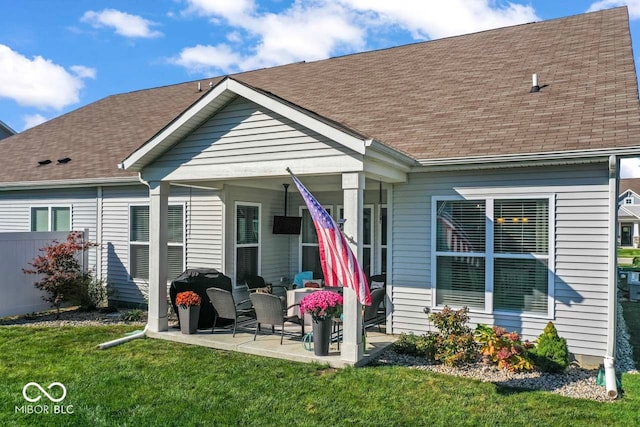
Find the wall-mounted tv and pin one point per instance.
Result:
(287, 224)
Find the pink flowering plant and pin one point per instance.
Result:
(322, 305)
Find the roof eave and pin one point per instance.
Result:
(69, 183)
(526, 159)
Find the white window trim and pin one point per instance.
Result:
(245, 245)
(489, 255)
(129, 242)
(301, 209)
(50, 215)
(628, 201)
(379, 238)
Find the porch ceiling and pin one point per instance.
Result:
(312, 182)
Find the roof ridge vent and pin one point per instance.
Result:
(44, 162)
(534, 84)
(64, 161)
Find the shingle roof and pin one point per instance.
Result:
(632, 184)
(459, 96)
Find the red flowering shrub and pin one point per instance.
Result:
(187, 299)
(504, 349)
(62, 276)
(322, 305)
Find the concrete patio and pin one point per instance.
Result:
(267, 344)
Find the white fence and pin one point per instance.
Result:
(17, 293)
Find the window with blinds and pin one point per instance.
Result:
(51, 218)
(139, 241)
(521, 247)
(520, 240)
(247, 241)
(460, 247)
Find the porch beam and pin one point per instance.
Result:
(353, 184)
(158, 271)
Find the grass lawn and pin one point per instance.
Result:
(157, 383)
(628, 252)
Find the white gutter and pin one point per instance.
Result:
(571, 156)
(609, 358)
(68, 183)
(129, 337)
(391, 152)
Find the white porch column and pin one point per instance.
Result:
(353, 190)
(158, 228)
(636, 235)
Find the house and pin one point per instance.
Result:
(629, 213)
(5, 130)
(458, 176)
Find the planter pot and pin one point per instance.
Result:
(189, 319)
(321, 337)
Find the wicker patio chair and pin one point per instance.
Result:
(372, 315)
(269, 311)
(225, 307)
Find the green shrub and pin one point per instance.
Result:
(135, 315)
(551, 353)
(454, 343)
(504, 349)
(413, 345)
(90, 294)
(406, 344)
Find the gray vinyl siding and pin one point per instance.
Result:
(15, 210)
(580, 195)
(244, 132)
(203, 234)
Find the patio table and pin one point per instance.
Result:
(294, 296)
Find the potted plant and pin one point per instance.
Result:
(188, 303)
(322, 306)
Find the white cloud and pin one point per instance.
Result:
(317, 29)
(430, 19)
(83, 72)
(232, 10)
(125, 24)
(308, 30)
(633, 5)
(201, 58)
(32, 120)
(37, 82)
(630, 168)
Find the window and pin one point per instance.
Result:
(521, 247)
(247, 240)
(367, 237)
(139, 241)
(497, 249)
(628, 201)
(51, 218)
(309, 249)
(460, 253)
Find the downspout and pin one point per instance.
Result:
(132, 336)
(609, 359)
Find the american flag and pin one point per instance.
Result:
(339, 265)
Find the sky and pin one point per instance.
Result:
(59, 55)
